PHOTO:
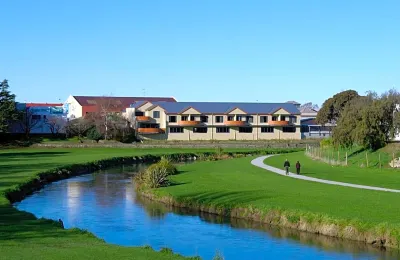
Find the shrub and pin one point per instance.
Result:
(168, 165)
(326, 142)
(93, 134)
(156, 176)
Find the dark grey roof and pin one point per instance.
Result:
(226, 107)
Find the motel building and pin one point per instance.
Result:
(214, 120)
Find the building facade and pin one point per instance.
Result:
(215, 120)
(79, 106)
(41, 118)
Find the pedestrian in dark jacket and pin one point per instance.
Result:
(298, 167)
(286, 165)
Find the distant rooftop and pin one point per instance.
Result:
(226, 107)
(293, 102)
(120, 101)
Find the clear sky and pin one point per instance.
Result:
(208, 50)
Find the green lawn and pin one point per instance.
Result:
(237, 183)
(387, 178)
(22, 236)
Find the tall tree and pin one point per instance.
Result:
(28, 121)
(332, 108)
(8, 109)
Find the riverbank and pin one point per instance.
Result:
(23, 171)
(236, 189)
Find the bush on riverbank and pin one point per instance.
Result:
(156, 175)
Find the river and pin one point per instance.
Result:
(105, 203)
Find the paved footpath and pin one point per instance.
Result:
(259, 162)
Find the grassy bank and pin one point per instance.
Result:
(235, 187)
(387, 178)
(22, 236)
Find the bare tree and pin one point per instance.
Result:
(105, 114)
(56, 124)
(29, 120)
(79, 127)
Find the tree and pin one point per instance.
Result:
(56, 124)
(79, 127)
(93, 134)
(333, 107)
(28, 120)
(310, 105)
(8, 109)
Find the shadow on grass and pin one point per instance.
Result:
(25, 155)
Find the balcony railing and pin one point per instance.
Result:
(236, 123)
(143, 118)
(189, 123)
(279, 123)
(150, 131)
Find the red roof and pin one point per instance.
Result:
(121, 101)
(44, 104)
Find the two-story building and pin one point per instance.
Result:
(215, 120)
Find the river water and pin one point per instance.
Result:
(105, 203)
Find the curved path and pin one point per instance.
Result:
(259, 162)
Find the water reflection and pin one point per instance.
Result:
(106, 204)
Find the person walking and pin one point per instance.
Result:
(286, 165)
(298, 167)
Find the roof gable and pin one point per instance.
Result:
(236, 111)
(190, 110)
(280, 111)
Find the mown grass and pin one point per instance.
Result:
(387, 178)
(22, 236)
(236, 183)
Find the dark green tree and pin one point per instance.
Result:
(333, 107)
(8, 109)
(93, 134)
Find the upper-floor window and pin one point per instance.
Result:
(263, 119)
(184, 118)
(172, 119)
(249, 119)
(274, 118)
(283, 118)
(204, 119)
(292, 119)
(156, 114)
(239, 118)
(139, 113)
(231, 118)
(245, 129)
(219, 119)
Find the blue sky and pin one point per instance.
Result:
(209, 50)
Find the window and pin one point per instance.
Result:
(267, 129)
(274, 118)
(44, 117)
(305, 129)
(283, 118)
(156, 114)
(292, 119)
(172, 119)
(222, 129)
(249, 119)
(204, 119)
(263, 119)
(139, 113)
(289, 129)
(35, 117)
(245, 129)
(91, 102)
(239, 118)
(184, 118)
(200, 130)
(219, 119)
(231, 118)
(176, 130)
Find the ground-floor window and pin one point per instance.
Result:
(176, 129)
(289, 129)
(267, 129)
(245, 129)
(200, 130)
(222, 129)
